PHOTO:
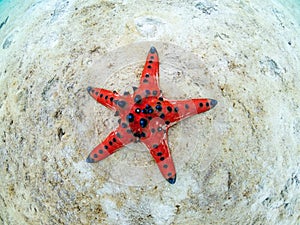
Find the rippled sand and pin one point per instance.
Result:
(238, 163)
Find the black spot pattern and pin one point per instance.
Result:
(137, 99)
(158, 108)
(143, 122)
(121, 104)
(137, 134)
(130, 117)
(147, 110)
(150, 110)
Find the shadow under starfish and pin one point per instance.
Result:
(145, 116)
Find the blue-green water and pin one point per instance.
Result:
(293, 6)
(13, 9)
(16, 8)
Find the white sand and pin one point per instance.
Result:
(236, 164)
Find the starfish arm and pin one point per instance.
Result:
(151, 70)
(105, 97)
(161, 154)
(149, 79)
(181, 109)
(112, 143)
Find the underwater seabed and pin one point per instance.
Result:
(236, 164)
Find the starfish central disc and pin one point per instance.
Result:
(147, 117)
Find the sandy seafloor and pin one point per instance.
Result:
(236, 164)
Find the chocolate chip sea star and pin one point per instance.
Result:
(145, 116)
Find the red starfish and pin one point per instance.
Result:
(145, 116)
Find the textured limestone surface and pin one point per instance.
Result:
(236, 164)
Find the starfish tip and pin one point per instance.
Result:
(153, 50)
(89, 160)
(172, 180)
(134, 88)
(213, 103)
(89, 88)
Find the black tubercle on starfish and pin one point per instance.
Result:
(130, 117)
(138, 99)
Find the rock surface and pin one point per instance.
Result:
(236, 164)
